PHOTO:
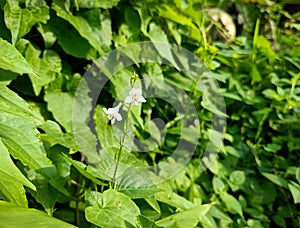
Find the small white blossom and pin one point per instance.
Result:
(113, 113)
(135, 95)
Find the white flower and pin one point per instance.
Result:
(113, 113)
(135, 95)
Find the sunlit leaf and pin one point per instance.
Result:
(93, 25)
(20, 20)
(113, 209)
(11, 59)
(30, 217)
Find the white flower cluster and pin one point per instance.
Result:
(135, 96)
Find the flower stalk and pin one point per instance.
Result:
(134, 97)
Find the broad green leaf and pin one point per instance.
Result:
(68, 37)
(216, 212)
(54, 135)
(114, 210)
(218, 184)
(271, 94)
(153, 203)
(8, 170)
(231, 203)
(255, 74)
(276, 179)
(265, 46)
(161, 43)
(88, 171)
(56, 153)
(237, 177)
(144, 221)
(279, 221)
(14, 193)
(234, 152)
(10, 102)
(105, 4)
(12, 180)
(45, 194)
(47, 65)
(61, 105)
(136, 183)
(257, 213)
(93, 25)
(186, 218)
(20, 20)
(11, 216)
(48, 35)
(167, 12)
(6, 75)
(173, 199)
(295, 190)
(94, 199)
(80, 115)
(11, 59)
(145, 19)
(19, 135)
(298, 174)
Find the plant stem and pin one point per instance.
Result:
(78, 195)
(118, 154)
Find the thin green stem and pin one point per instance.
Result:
(118, 154)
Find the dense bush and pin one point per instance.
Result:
(61, 157)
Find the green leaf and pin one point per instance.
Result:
(114, 209)
(161, 43)
(47, 34)
(237, 177)
(54, 135)
(88, 172)
(61, 105)
(93, 25)
(11, 59)
(105, 4)
(10, 102)
(20, 20)
(255, 74)
(30, 218)
(8, 170)
(68, 36)
(48, 66)
(45, 194)
(218, 184)
(186, 218)
(14, 192)
(136, 183)
(276, 179)
(167, 12)
(6, 75)
(232, 204)
(217, 213)
(298, 174)
(12, 180)
(173, 199)
(295, 190)
(19, 135)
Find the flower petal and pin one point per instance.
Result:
(128, 99)
(105, 110)
(142, 99)
(113, 121)
(118, 116)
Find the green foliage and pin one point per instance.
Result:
(62, 163)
